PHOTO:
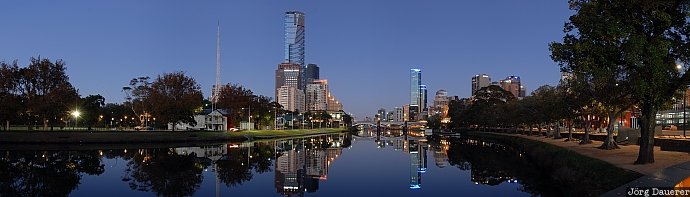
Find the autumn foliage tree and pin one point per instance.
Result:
(46, 92)
(174, 97)
(9, 97)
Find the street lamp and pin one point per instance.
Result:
(250, 117)
(684, 106)
(685, 89)
(76, 117)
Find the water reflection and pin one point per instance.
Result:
(45, 173)
(293, 167)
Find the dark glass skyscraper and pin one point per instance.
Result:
(311, 73)
(294, 40)
(415, 83)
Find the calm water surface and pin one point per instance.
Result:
(368, 163)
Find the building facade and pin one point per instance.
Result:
(333, 103)
(415, 83)
(440, 106)
(512, 85)
(381, 114)
(316, 93)
(288, 93)
(479, 81)
(294, 41)
(398, 114)
(311, 73)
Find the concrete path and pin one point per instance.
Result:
(669, 168)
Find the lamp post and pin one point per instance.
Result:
(680, 68)
(250, 117)
(76, 118)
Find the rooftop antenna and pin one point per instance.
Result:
(216, 87)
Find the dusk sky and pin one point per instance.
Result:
(364, 48)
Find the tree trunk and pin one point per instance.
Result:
(609, 143)
(585, 138)
(548, 131)
(570, 131)
(530, 130)
(647, 123)
(557, 134)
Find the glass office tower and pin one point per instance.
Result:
(294, 40)
(415, 83)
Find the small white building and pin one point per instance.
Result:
(210, 120)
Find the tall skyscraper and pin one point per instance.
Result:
(423, 98)
(512, 85)
(294, 41)
(311, 73)
(415, 83)
(479, 81)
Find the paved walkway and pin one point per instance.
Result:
(668, 169)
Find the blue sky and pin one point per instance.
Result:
(364, 48)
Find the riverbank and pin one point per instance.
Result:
(129, 137)
(575, 173)
(668, 170)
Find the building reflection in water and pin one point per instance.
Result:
(302, 163)
(299, 163)
(416, 145)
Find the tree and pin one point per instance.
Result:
(91, 110)
(115, 113)
(47, 92)
(434, 121)
(595, 56)
(652, 38)
(547, 108)
(137, 96)
(174, 97)
(9, 97)
(165, 173)
(233, 98)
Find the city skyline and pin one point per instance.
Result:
(111, 43)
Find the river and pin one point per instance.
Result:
(367, 163)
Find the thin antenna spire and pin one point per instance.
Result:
(216, 87)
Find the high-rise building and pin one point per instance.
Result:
(290, 98)
(523, 92)
(294, 41)
(423, 104)
(512, 85)
(398, 114)
(287, 86)
(479, 81)
(440, 106)
(316, 93)
(333, 104)
(415, 84)
(311, 73)
(406, 112)
(381, 114)
(288, 74)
